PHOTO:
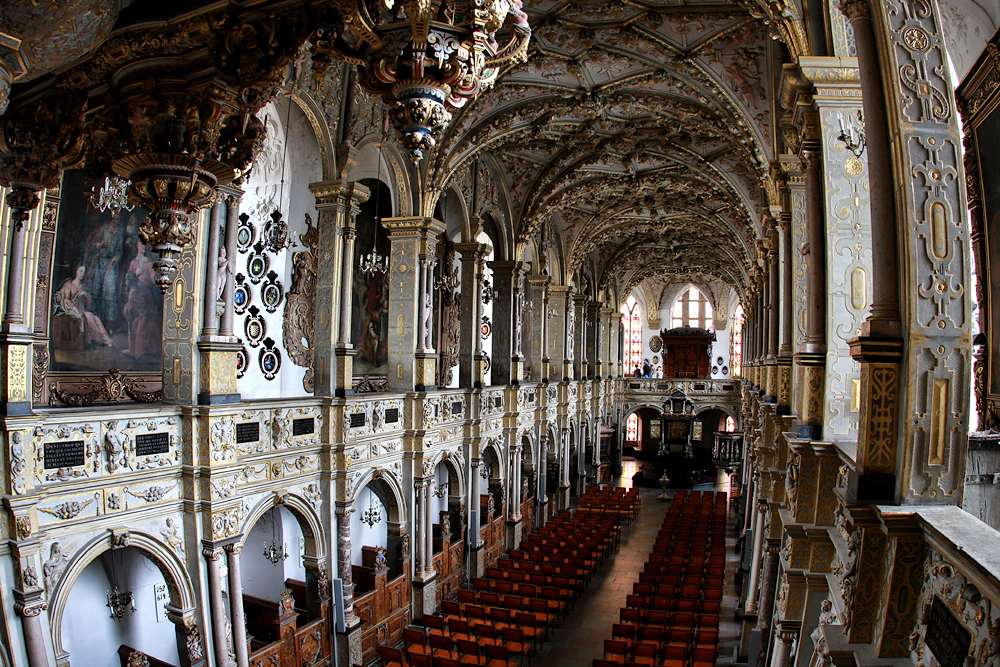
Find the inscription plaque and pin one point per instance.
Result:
(303, 426)
(391, 415)
(357, 419)
(247, 432)
(63, 454)
(456, 408)
(946, 637)
(148, 444)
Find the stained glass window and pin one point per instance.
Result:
(730, 424)
(632, 318)
(736, 349)
(692, 309)
(632, 428)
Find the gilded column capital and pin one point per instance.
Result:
(855, 9)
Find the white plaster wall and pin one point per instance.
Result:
(89, 633)
(302, 166)
(439, 505)
(361, 533)
(262, 578)
(967, 26)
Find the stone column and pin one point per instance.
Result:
(476, 561)
(420, 554)
(580, 365)
(774, 310)
(785, 350)
(472, 370)
(507, 302)
(764, 327)
(15, 337)
(538, 286)
(428, 529)
(29, 605)
(560, 303)
(758, 541)
(214, 555)
(883, 318)
(218, 350)
(233, 198)
(812, 357)
(412, 359)
(337, 202)
(593, 339)
(607, 315)
(344, 566)
(768, 585)
(234, 551)
(783, 639)
(209, 324)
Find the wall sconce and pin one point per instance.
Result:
(853, 139)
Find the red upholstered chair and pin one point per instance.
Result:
(434, 624)
(447, 662)
(485, 634)
(626, 632)
(441, 647)
(458, 628)
(674, 656)
(615, 650)
(416, 641)
(516, 642)
(451, 610)
(529, 623)
(391, 657)
(497, 656)
(704, 657)
(645, 653)
(468, 652)
(417, 659)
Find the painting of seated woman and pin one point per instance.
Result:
(106, 309)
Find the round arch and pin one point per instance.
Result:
(301, 509)
(313, 112)
(382, 161)
(179, 585)
(390, 482)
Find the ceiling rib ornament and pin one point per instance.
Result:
(427, 59)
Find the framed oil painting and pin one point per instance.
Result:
(105, 311)
(370, 294)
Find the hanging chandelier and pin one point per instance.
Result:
(112, 195)
(120, 603)
(427, 59)
(373, 263)
(373, 514)
(275, 553)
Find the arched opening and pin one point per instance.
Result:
(632, 338)
(374, 523)
(92, 636)
(692, 309)
(527, 482)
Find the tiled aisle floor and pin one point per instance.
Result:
(581, 637)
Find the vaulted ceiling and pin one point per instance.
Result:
(641, 130)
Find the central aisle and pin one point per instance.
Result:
(581, 637)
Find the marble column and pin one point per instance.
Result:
(214, 555)
(29, 606)
(15, 337)
(472, 370)
(773, 312)
(883, 318)
(781, 656)
(593, 339)
(785, 350)
(412, 358)
(234, 552)
(344, 566)
(812, 357)
(538, 286)
(768, 586)
(758, 542)
(218, 350)
(419, 520)
(428, 529)
(580, 365)
(508, 362)
(209, 324)
(337, 204)
(233, 198)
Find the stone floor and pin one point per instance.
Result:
(581, 637)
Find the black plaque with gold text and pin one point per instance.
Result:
(63, 454)
(946, 637)
(150, 444)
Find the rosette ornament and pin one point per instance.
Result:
(427, 58)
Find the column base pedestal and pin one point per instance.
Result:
(477, 561)
(344, 371)
(349, 645)
(563, 497)
(425, 596)
(218, 372)
(514, 532)
(425, 371)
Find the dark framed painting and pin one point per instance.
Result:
(105, 311)
(369, 289)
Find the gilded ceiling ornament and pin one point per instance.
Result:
(427, 59)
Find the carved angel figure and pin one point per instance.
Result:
(53, 568)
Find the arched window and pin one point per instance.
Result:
(692, 309)
(730, 424)
(632, 318)
(736, 341)
(632, 428)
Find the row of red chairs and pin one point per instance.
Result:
(612, 499)
(672, 616)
